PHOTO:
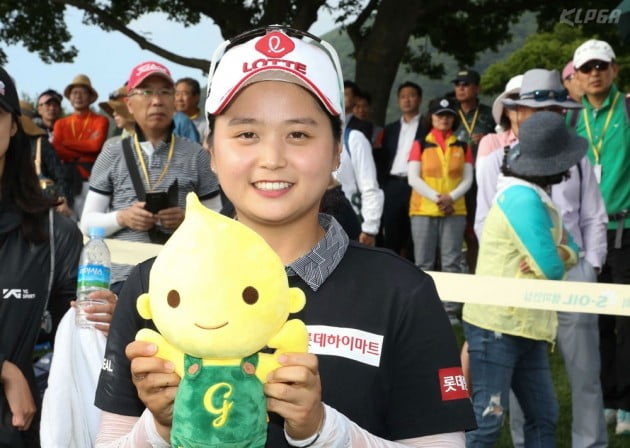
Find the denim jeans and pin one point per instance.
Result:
(499, 362)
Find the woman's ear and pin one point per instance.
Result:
(14, 128)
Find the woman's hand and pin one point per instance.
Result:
(18, 396)
(101, 313)
(156, 382)
(294, 392)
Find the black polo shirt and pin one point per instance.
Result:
(388, 359)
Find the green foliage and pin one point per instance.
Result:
(549, 50)
(39, 25)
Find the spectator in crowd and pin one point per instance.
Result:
(187, 97)
(48, 111)
(475, 122)
(523, 237)
(48, 167)
(40, 251)
(351, 91)
(363, 111)
(604, 123)
(440, 172)
(398, 137)
(583, 213)
(79, 137)
(289, 130)
(505, 137)
(116, 108)
(570, 82)
(357, 175)
(166, 168)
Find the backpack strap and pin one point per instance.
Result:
(46, 323)
(133, 170)
(38, 156)
(346, 141)
(627, 103)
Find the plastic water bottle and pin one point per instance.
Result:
(94, 273)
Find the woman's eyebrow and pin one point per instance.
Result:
(302, 120)
(241, 120)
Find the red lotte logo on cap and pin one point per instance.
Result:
(275, 45)
(1, 88)
(452, 384)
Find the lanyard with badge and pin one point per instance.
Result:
(85, 123)
(597, 148)
(144, 166)
(469, 127)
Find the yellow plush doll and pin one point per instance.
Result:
(218, 294)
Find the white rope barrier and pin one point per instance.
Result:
(582, 297)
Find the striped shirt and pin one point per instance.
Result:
(315, 267)
(190, 166)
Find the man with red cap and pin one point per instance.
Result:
(139, 184)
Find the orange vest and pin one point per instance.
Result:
(442, 169)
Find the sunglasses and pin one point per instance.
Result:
(291, 32)
(588, 67)
(544, 95)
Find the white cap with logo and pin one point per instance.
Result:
(276, 56)
(593, 50)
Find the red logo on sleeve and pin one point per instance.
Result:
(275, 45)
(453, 384)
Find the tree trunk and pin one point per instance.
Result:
(379, 52)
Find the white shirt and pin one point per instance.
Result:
(405, 141)
(357, 173)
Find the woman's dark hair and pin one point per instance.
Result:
(541, 181)
(20, 187)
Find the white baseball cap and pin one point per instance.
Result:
(275, 54)
(593, 50)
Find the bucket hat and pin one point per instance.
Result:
(542, 88)
(546, 146)
(81, 80)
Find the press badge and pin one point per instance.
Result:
(598, 173)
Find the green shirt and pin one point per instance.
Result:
(614, 155)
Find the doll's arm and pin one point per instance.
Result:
(292, 338)
(165, 349)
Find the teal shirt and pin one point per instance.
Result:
(614, 156)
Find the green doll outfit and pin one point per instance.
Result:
(220, 406)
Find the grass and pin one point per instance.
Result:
(563, 392)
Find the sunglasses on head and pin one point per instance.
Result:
(544, 95)
(588, 67)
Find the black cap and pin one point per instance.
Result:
(469, 76)
(442, 105)
(8, 95)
